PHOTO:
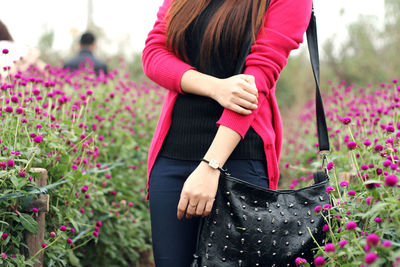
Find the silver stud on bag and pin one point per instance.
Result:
(273, 231)
(242, 241)
(223, 259)
(282, 213)
(243, 197)
(225, 247)
(312, 221)
(231, 214)
(267, 204)
(241, 251)
(259, 241)
(259, 230)
(227, 236)
(291, 205)
(240, 262)
(255, 201)
(274, 243)
(295, 214)
(245, 217)
(299, 223)
(302, 243)
(278, 205)
(228, 193)
(289, 254)
(273, 254)
(302, 253)
(212, 233)
(286, 232)
(228, 204)
(259, 219)
(214, 222)
(309, 213)
(305, 202)
(257, 264)
(207, 256)
(229, 226)
(273, 220)
(321, 198)
(255, 209)
(315, 230)
(300, 232)
(259, 253)
(269, 210)
(209, 244)
(287, 243)
(243, 206)
(285, 221)
(216, 211)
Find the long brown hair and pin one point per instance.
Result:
(4, 33)
(228, 25)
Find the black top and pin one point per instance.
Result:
(74, 63)
(193, 126)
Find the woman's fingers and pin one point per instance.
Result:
(183, 203)
(239, 109)
(200, 207)
(208, 208)
(250, 85)
(245, 104)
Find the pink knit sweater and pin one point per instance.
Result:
(285, 24)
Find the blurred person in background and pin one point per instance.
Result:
(19, 56)
(87, 46)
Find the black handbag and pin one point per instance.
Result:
(254, 226)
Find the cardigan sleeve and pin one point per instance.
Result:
(159, 64)
(285, 24)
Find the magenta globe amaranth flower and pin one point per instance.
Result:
(9, 109)
(373, 240)
(325, 228)
(378, 220)
(330, 165)
(351, 145)
(344, 183)
(342, 243)
(378, 147)
(44, 245)
(4, 236)
(52, 234)
(329, 247)
(346, 120)
(96, 234)
(317, 208)
(371, 258)
(351, 193)
(391, 180)
(63, 228)
(35, 210)
(387, 243)
(319, 261)
(300, 261)
(351, 225)
(10, 163)
(329, 189)
(38, 139)
(5, 51)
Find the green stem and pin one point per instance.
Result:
(15, 136)
(84, 243)
(42, 249)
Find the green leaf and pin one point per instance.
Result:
(29, 223)
(14, 181)
(73, 259)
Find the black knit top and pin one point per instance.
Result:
(193, 123)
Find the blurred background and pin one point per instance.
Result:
(356, 37)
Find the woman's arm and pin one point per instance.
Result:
(201, 185)
(237, 93)
(285, 24)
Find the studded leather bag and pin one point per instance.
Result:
(254, 226)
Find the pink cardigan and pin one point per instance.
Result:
(285, 24)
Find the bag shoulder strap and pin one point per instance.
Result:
(312, 41)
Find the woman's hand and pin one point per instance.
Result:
(198, 192)
(237, 93)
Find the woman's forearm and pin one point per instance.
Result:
(198, 83)
(223, 145)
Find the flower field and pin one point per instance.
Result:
(91, 133)
(364, 128)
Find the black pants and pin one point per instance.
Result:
(174, 240)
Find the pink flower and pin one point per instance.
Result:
(24, 120)
(35, 210)
(319, 261)
(19, 110)
(52, 234)
(378, 147)
(10, 163)
(317, 208)
(373, 240)
(351, 225)
(371, 257)
(330, 165)
(327, 206)
(367, 142)
(378, 220)
(4, 255)
(38, 139)
(4, 236)
(5, 51)
(351, 145)
(99, 223)
(368, 200)
(342, 243)
(344, 183)
(391, 180)
(351, 193)
(96, 234)
(329, 247)
(44, 245)
(300, 261)
(9, 109)
(325, 228)
(63, 228)
(346, 120)
(69, 240)
(386, 243)
(330, 189)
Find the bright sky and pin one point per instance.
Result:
(126, 23)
